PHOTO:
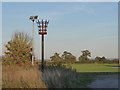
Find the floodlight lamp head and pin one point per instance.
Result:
(31, 17)
(35, 17)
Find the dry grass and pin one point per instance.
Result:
(21, 77)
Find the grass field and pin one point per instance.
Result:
(95, 67)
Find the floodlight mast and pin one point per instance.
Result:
(42, 29)
(32, 49)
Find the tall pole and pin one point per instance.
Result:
(42, 28)
(32, 52)
(33, 43)
(42, 53)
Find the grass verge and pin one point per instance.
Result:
(96, 67)
(24, 76)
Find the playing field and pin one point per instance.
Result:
(96, 67)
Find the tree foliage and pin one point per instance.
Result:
(84, 56)
(56, 59)
(68, 57)
(18, 49)
(100, 59)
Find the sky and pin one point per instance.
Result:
(73, 26)
(60, 0)
(0, 28)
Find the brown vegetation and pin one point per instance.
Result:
(15, 76)
(18, 49)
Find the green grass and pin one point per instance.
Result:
(95, 67)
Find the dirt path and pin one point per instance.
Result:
(105, 81)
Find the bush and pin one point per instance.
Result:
(60, 77)
(18, 49)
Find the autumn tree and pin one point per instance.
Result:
(68, 57)
(18, 49)
(84, 56)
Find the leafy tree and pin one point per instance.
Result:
(100, 59)
(84, 56)
(103, 59)
(68, 57)
(56, 59)
(18, 49)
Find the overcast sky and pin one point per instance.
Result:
(73, 27)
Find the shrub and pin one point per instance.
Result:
(60, 77)
(18, 49)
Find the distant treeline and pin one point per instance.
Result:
(69, 58)
(19, 50)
